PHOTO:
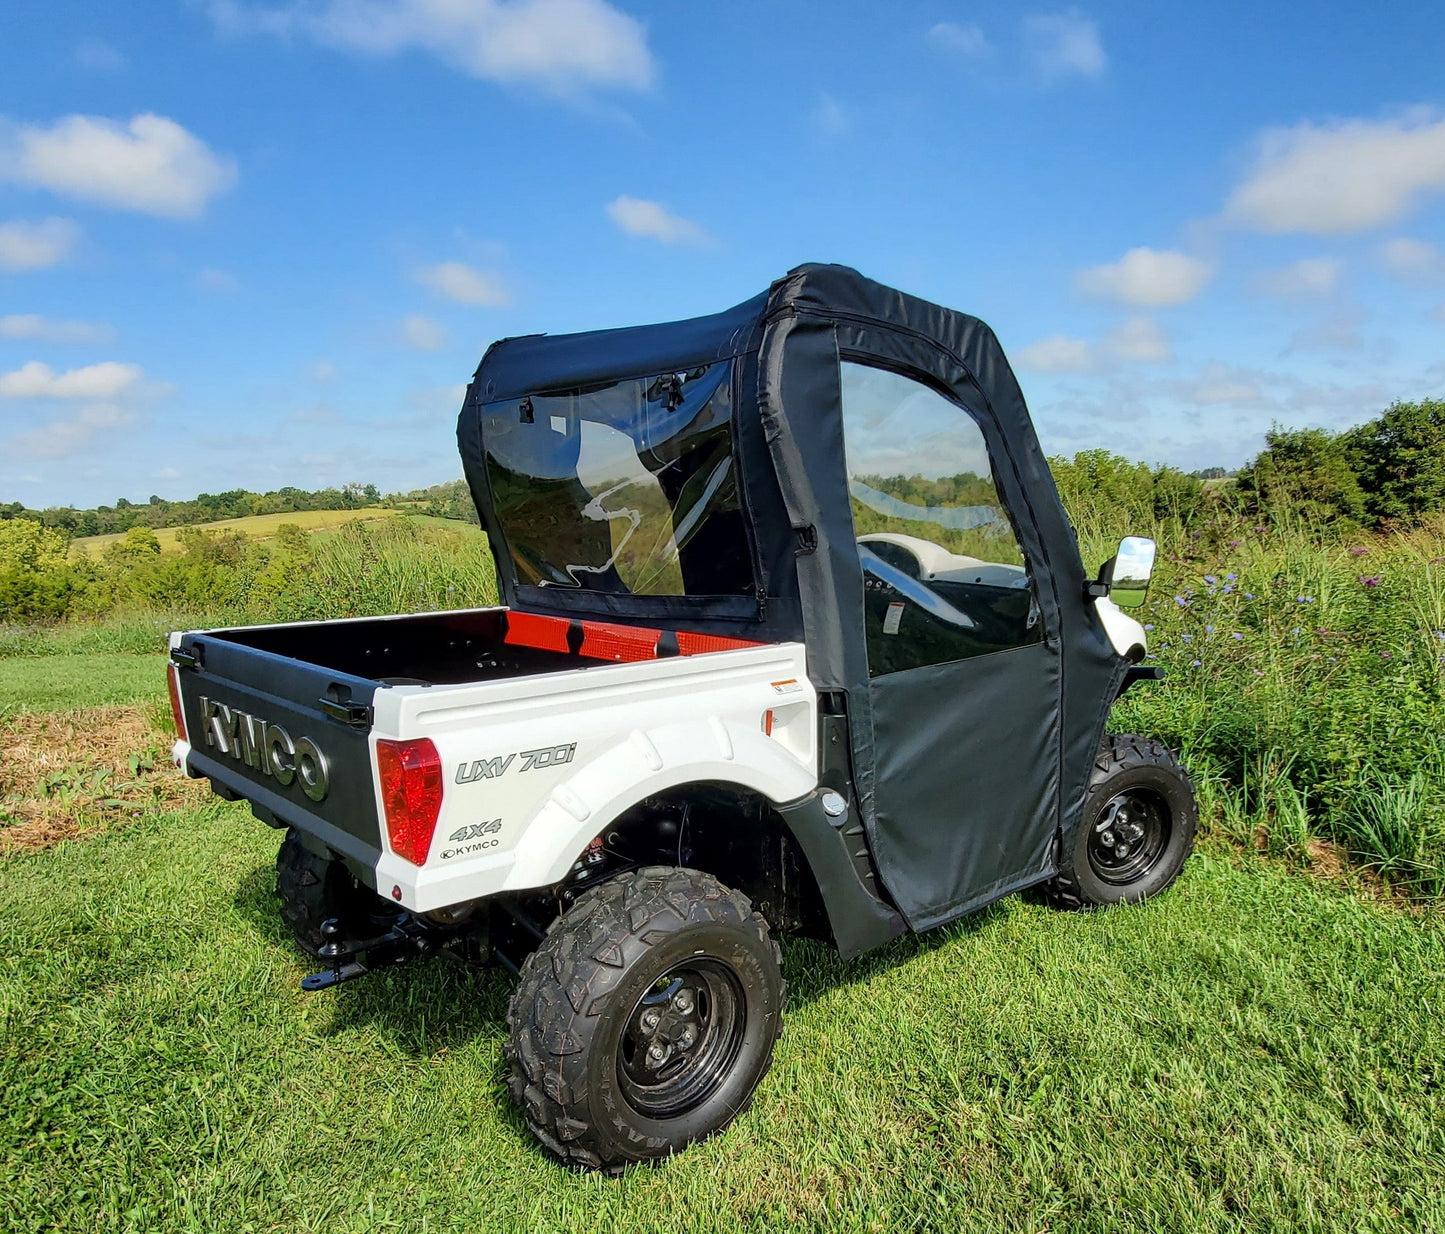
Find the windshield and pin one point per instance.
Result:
(625, 488)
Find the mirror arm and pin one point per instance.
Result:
(1098, 589)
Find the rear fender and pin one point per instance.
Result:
(643, 765)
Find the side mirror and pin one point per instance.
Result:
(1128, 574)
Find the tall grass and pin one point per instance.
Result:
(1306, 673)
(360, 569)
(1306, 684)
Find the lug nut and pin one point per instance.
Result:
(657, 1052)
(1121, 851)
(688, 1036)
(650, 1019)
(1107, 838)
(682, 1000)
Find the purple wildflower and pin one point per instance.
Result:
(1370, 580)
(1210, 579)
(1230, 578)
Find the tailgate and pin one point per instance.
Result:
(290, 737)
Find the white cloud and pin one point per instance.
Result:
(1346, 176)
(1439, 313)
(465, 284)
(149, 164)
(1415, 261)
(34, 246)
(40, 329)
(1141, 340)
(963, 40)
(423, 333)
(1062, 44)
(1056, 354)
(322, 371)
(1149, 277)
(647, 218)
(168, 473)
(563, 46)
(69, 435)
(37, 380)
(1337, 332)
(1310, 278)
(219, 281)
(102, 57)
(829, 118)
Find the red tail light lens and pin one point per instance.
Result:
(411, 794)
(173, 683)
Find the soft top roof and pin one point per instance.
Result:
(533, 363)
(537, 362)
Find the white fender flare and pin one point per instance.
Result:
(644, 764)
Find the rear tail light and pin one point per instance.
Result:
(411, 794)
(173, 683)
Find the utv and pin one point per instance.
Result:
(795, 637)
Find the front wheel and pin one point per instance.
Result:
(1135, 831)
(645, 1019)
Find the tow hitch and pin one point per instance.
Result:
(355, 957)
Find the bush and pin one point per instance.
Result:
(1305, 472)
(35, 578)
(1400, 460)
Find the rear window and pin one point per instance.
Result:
(626, 488)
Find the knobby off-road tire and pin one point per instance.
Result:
(313, 888)
(662, 959)
(1136, 829)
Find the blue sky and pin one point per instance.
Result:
(255, 244)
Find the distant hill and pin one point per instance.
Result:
(449, 500)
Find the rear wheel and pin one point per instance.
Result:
(645, 1019)
(313, 888)
(1136, 829)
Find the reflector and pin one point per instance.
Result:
(173, 684)
(410, 773)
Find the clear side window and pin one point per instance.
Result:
(944, 577)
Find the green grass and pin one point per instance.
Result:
(1252, 1050)
(66, 682)
(1249, 1051)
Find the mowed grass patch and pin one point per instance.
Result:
(1249, 1051)
(87, 679)
(254, 526)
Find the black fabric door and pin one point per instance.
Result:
(964, 673)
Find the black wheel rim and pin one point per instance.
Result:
(1128, 836)
(682, 1038)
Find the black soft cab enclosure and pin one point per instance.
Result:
(841, 463)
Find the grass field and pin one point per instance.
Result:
(256, 526)
(61, 683)
(1254, 1050)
